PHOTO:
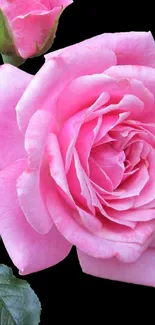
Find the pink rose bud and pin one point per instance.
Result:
(28, 27)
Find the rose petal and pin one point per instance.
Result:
(68, 135)
(106, 194)
(148, 193)
(133, 153)
(124, 137)
(39, 94)
(99, 176)
(75, 189)
(130, 48)
(149, 205)
(33, 206)
(82, 92)
(52, 79)
(141, 233)
(113, 217)
(87, 190)
(109, 160)
(12, 85)
(129, 105)
(137, 89)
(139, 272)
(108, 122)
(29, 250)
(24, 244)
(84, 240)
(80, 56)
(121, 204)
(56, 165)
(87, 134)
(143, 73)
(135, 215)
(105, 139)
(145, 130)
(135, 183)
(89, 221)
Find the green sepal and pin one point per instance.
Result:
(7, 44)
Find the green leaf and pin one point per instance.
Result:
(7, 45)
(19, 305)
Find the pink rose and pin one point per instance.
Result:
(78, 159)
(30, 24)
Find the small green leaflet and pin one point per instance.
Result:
(6, 39)
(19, 305)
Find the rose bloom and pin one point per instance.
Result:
(77, 159)
(30, 23)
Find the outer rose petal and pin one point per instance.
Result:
(130, 48)
(44, 90)
(36, 27)
(85, 60)
(15, 8)
(12, 85)
(55, 75)
(32, 252)
(140, 272)
(29, 250)
(29, 182)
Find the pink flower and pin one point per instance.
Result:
(31, 25)
(78, 158)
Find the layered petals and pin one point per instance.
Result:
(86, 241)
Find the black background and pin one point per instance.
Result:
(66, 294)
